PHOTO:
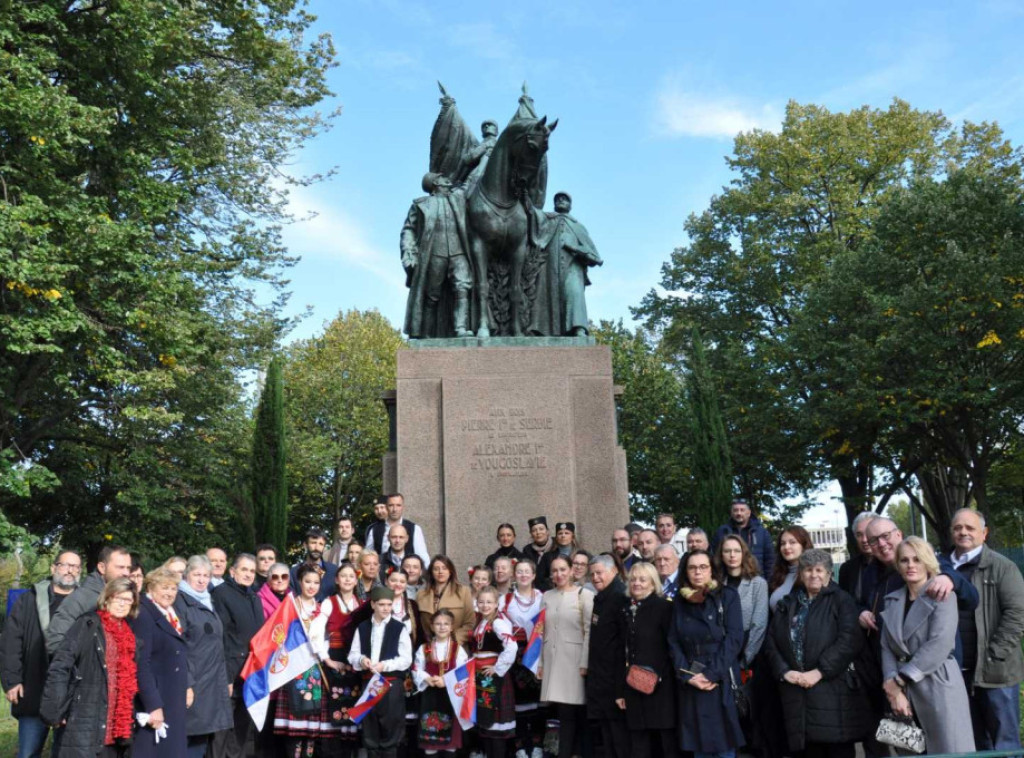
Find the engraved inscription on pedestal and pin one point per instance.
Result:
(515, 446)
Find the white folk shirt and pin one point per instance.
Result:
(399, 663)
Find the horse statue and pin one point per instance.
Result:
(502, 206)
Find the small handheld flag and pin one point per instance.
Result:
(531, 655)
(461, 685)
(373, 693)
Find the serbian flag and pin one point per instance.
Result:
(373, 693)
(531, 655)
(461, 685)
(278, 653)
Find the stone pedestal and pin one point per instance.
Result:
(489, 434)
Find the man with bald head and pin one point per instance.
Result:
(992, 663)
(398, 541)
(219, 565)
(647, 543)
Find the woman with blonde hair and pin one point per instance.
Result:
(921, 676)
(644, 626)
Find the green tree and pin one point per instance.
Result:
(269, 479)
(143, 169)
(712, 467)
(800, 199)
(652, 422)
(936, 302)
(337, 425)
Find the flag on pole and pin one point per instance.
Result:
(461, 685)
(373, 693)
(278, 653)
(531, 655)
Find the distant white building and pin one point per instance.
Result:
(832, 539)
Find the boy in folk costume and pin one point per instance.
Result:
(383, 645)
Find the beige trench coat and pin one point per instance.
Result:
(566, 644)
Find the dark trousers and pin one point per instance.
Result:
(647, 742)
(615, 737)
(995, 714)
(530, 729)
(384, 726)
(114, 751)
(571, 725)
(233, 743)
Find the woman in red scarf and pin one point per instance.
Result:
(95, 707)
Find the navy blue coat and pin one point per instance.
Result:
(757, 538)
(699, 633)
(163, 680)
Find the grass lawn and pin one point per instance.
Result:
(8, 730)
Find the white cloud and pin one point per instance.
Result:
(683, 112)
(330, 233)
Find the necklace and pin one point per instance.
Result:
(441, 660)
(519, 600)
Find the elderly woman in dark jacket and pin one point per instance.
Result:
(607, 652)
(813, 639)
(162, 670)
(705, 638)
(644, 623)
(207, 672)
(96, 657)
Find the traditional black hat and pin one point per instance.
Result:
(537, 520)
(565, 525)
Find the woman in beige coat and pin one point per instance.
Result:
(567, 611)
(444, 591)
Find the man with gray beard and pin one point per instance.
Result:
(23, 658)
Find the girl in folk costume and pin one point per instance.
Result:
(504, 579)
(343, 612)
(494, 648)
(407, 612)
(439, 729)
(521, 606)
(301, 707)
(479, 577)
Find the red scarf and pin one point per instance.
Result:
(121, 688)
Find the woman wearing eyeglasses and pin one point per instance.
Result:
(705, 638)
(91, 683)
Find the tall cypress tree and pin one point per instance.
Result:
(710, 463)
(269, 481)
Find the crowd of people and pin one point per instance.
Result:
(662, 641)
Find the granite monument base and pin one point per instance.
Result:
(491, 434)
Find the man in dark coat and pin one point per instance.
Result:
(607, 656)
(750, 529)
(859, 575)
(114, 562)
(23, 659)
(241, 612)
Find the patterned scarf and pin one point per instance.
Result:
(123, 685)
(696, 596)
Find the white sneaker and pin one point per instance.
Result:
(537, 753)
(521, 754)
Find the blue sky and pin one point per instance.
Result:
(648, 96)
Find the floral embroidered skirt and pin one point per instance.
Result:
(300, 707)
(439, 729)
(344, 690)
(495, 706)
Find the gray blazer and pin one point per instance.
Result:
(754, 604)
(920, 649)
